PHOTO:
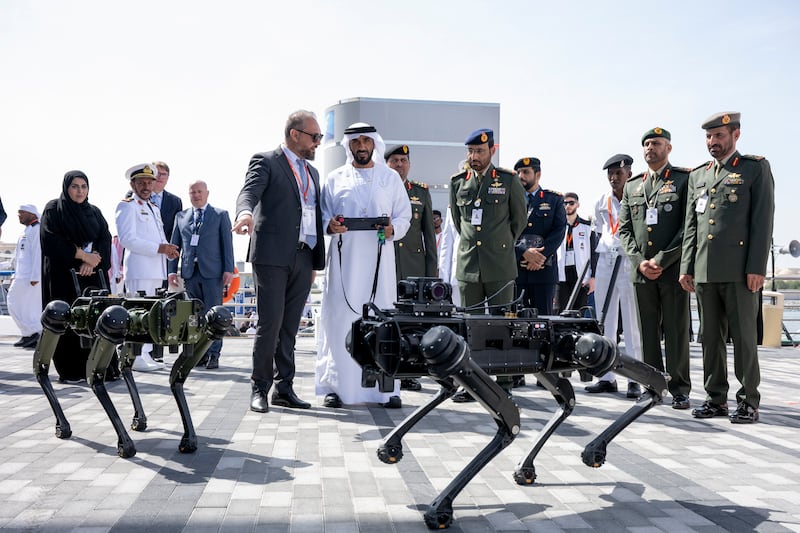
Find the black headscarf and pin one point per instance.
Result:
(83, 226)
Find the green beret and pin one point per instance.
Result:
(401, 149)
(656, 132)
(726, 118)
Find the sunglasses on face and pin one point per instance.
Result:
(570, 202)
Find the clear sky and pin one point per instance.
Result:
(100, 86)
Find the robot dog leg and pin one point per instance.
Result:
(54, 324)
(217, 321)
(448, 355)
(391, 449)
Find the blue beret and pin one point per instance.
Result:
(481, 136)
(532, 162)
(619, 160)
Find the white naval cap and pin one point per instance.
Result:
(144, 170)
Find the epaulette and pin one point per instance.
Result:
(698, 167)
(501, 169)
(754, 157)
(128, 199)
(553, 192)
(638, 176)
(419, 184)
(458, 175)
(685, 170)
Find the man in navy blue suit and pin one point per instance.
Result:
(203, 234)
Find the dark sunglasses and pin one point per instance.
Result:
(570, 202)
(316, 137)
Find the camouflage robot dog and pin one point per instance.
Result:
(426, 336)
(106, 322)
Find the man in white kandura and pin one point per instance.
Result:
(357, 261)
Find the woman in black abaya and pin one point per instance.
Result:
(74, 236)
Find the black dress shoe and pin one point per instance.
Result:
(32, 341)
(680, 401)
(709, 410)
(258, 401)
(744, 414)
(289, 399)
(213, 362)
(462, 396)
(410, 384)
(602, 386)
(393, 403)
(518, 381)
(22, 340)
(332, 400)
(634, 390)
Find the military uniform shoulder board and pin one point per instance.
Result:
(419, 184)
(706, 164)
(501, 169)
(459, 175)
(552, 192)
(753, 157)
(128, 199)
(685, 170)
(638, 176)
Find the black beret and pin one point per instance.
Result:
(722, 119)
(359, 127)
(400, 149)
(532, 162)
(481, 136)
(656, 132)
(619, 160)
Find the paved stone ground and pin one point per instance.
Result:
(317, 470)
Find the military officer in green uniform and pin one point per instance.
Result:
(652, 214)
(489, 214)
(415, 254)
(726, 243)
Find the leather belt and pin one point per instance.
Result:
(303, 246)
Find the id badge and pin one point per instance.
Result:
(309, 220)
(569, 257)
(477, 217)
(700, 207)
(195, 239)
(652, 215)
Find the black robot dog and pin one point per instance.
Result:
(424, 335)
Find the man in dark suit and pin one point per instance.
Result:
(203, 233)
(279, 208)
(169, 204)
(726, 244)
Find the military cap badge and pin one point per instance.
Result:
(484, 137)
(726, 119)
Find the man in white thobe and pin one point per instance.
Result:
(25, 293)
(363, 187)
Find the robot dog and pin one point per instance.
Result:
(426, 336)
(106, 322)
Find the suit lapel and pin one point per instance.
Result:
(283, 163)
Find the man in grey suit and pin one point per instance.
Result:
(279, 208)
(203, 233)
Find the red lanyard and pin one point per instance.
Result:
(299, 181)
(614, 227)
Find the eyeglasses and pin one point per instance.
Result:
(316, 137)
(570, 202)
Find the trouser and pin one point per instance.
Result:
(664, 307)
(566, 287)
(475, 294)
(729, 308)
(538, 296)
(621, 297)
(149, 287)
(25, 306)
(209, 291)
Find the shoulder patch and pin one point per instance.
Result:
(753, 157)
(419, 184)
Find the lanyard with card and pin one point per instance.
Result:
(700, 207)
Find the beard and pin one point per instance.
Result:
(362, 158)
